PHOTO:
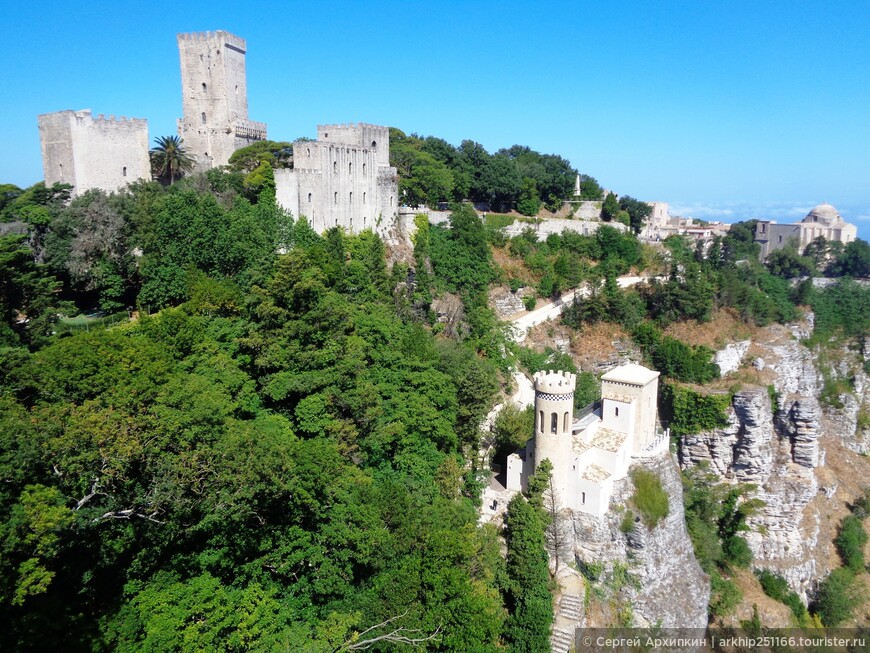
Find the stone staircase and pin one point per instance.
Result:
(561, 641)
(571, 607)
(568, 614)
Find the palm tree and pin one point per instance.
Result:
(169, 158)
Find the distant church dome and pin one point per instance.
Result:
(824, 213)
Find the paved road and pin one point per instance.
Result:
(547, 312)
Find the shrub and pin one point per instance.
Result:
(692, 411)
(529, 302)
(649, 497)
(776, 587)
(837, 598)
(850, 543)
(724, 595)
(737, 551)
(627, 522)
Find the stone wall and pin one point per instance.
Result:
(214, 97)
(546, 227)
(103, 152)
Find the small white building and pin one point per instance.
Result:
(593, 449)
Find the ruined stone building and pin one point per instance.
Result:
(593, 449)
(87, 152)
(343, 179)
(823, 220)
(214, 98)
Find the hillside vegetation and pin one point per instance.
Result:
(279, 451)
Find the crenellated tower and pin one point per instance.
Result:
(214, 97)
(554, 417)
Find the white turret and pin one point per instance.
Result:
(554, 416)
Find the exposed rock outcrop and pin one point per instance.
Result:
(672, 589)
(731, 356)
(778, 448)
(742, 450)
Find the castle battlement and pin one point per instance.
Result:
(555, 382)
(216, 35)
(351, 125)
(250, 130)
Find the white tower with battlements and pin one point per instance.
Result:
(214, 97)
(593, 450)
(554, 418)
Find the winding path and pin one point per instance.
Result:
(525, 322)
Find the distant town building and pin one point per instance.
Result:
(214, 98)
(87, 152)
(343, 179)
(593, 449)
(823, 220)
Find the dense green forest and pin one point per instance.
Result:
(266, 440)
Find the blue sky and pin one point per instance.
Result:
(727, 110)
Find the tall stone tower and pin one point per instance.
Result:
(554, 417)
(214, 97)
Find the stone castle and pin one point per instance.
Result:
(88, 152)
(342, 179)
(593, 449)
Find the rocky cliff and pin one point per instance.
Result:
(776, 439)
(665, 584)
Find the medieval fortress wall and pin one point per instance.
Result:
(93, 152)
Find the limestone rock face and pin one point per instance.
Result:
(742, 450)
(672, 588)
(803, 429)
(730, 358)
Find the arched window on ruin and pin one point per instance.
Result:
(350, 197)
(374, 144)
(60, 165)
(124, 171)
(308, 150)
(554, 423)
(565, 422)
(335, 166)
(203, 117)
(365, 218)
(204, 87)
(364, 169)
(237, 91)
(351, 224)
(391, 200)
(616, 411)
(335, 198)
(541, 421)
(364, 197)
(583, 498)
(349, 168)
